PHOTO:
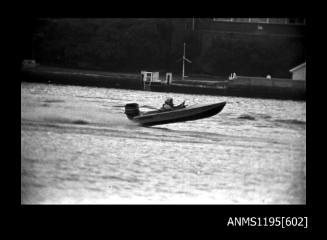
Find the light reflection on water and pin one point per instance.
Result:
(76, 147)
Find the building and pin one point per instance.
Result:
(299, 72)
(29, 63)
(278, 27)
(298, 21)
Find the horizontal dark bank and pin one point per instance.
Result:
(242, 87)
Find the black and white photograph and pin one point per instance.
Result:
(163, 111)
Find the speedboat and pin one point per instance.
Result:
(180, 113)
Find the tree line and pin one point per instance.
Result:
(132, 45)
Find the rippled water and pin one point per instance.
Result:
(77, 146)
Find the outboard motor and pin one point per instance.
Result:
(132, 110)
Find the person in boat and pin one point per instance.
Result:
(168, 105)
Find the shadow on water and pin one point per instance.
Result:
(54, 120)
(257, 117)
(291, 121)
(53, 101)
(159, 128)
(80, 122)
(254, 116)
(246, 117)
(187, 133)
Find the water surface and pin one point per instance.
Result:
(77, 146)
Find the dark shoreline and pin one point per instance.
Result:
(133, 81)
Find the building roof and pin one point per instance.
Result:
(298, 67)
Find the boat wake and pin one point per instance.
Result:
(72, 114)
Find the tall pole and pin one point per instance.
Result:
(193, 24)
(183, 63)
(183, 58)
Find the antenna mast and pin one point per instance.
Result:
(184, 58)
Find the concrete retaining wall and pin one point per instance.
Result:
(242, 86)
(265, 82)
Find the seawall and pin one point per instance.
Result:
(242, 86)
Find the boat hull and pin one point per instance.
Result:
(189, 113)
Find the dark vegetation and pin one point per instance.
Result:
(132, 45)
